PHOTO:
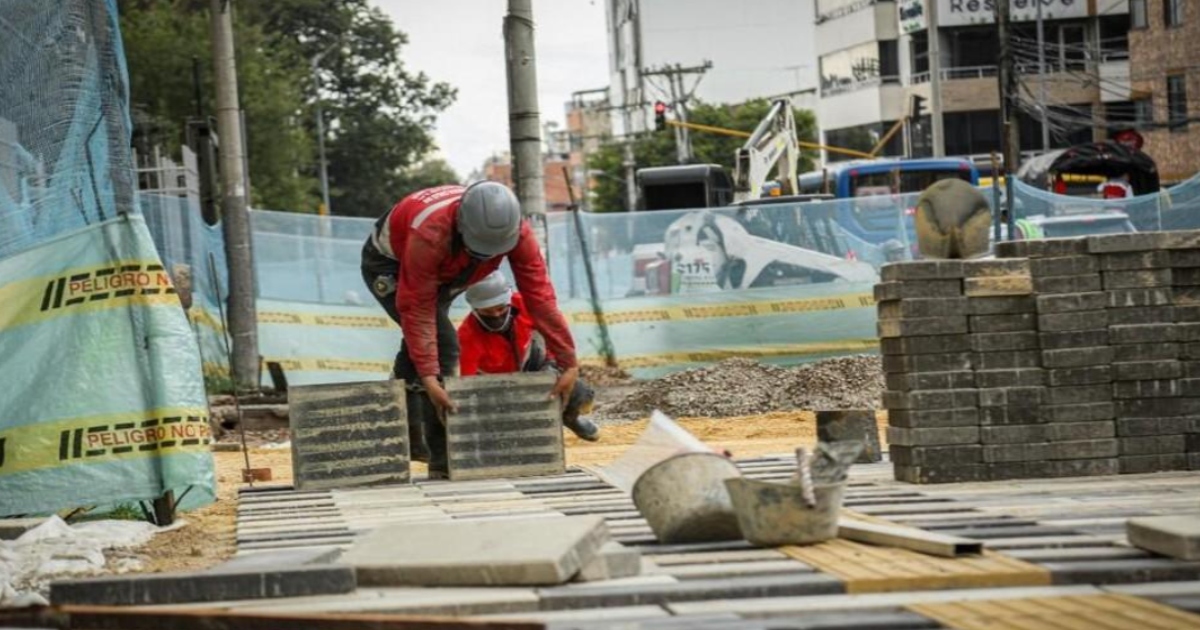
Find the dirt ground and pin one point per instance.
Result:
(210, 535)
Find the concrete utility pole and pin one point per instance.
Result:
(935, 81)
(1011, 133)
(243, 319)
(524, 128)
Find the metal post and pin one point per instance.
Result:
(243, 324)
(935, 81)
(1007, 79)
(326, 208)
(682, 113)
(523, 126)
(1041, 45)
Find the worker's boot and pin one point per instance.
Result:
(580, 404)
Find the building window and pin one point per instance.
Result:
(1143, 111)
(889, 59)
(1177, 109)
(1173, 12)
(1137, 14)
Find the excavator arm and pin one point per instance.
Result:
(772, 143)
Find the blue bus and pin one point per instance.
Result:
(874, 215)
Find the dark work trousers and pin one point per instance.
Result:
(581, 398)
(426, 432)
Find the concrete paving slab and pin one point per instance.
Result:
(212, 586)
(493, 552)
(603, 615)
(1122, 571)
(275, 559)
(1174, 536)
(1156, 589)
(506, 425)
(613, 561)
(736, 569)
(748, 555)
(409, 601)
(1076, 553)
(691, 590)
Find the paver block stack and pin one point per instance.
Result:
(1184, 251)
(1002, 318)
(931, 396)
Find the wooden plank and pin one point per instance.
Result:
(1085, 612)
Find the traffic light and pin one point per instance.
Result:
(660, 115)
(918, 107)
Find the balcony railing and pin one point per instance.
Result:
(852, 86)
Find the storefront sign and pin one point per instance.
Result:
(968, 12)
(912, 15)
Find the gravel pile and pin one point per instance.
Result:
(743, 387)
(604, 376)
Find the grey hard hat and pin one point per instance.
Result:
(492, 291)
(489, 219)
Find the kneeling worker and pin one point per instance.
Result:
(498, 337)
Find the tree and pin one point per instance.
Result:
(658, 148)
(429, 173)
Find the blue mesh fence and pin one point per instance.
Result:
(1175, 208)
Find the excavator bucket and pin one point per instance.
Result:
(952, 221)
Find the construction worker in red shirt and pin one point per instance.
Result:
(422, 254)
(499, 337)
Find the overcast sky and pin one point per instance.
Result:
(461, 42)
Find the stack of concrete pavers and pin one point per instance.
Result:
(1007, 366)
(931, 396)
(1137, 273)
(1185, 281)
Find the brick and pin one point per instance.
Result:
(909, 381)
(859, 425)
(1133, 242)
(1180, 239)
(1030, 377)
(1185, 258)
(933, 418)
(999, 453)
(1082, 283)
(1064, 266)
(505, 426)
(1102, 467)
(1079, 431)
(921, 270)
(1071, 302)
(1153, 445)
(1138, 298)
(1090, 375)
(1042, 248)
(988, 268)
(918, 289)
(470, 553)
(901, 436)
(998, 286)
(930, 399)
(1189, 387)
(1078, 357)
(1187, 277)
(1192, 441)
(1186, 313)
(936, 455)
(1080, 320)
(1013, 434)
(1146, 352)
(927, 362)
(1147, 370)
(207, 586)
(349, 434)
(1003, 341)
(937, 344)
(1136, 279)
(1012, 360)
(1142, 315)
(1001, 471)
(922, 326)
(1146, 389)
(1083, 412)
(1062, 340)
(1139, 427)
(1002, 323)
(1142, 333)
(1084, 449)
(1185, 295)
(1010, 415)
(1188, 331)
(921, 307)
(1191, 369)
(1079, 394)
(1130, 261)
(1001, 305)
(1150, 408)
(1143, 464)
(1189, 350)
(1193, 460)
(1011, 396)
(941, 474)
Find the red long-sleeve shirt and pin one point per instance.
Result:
(419, 233)
(487, 352)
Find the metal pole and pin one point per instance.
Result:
(1041, 45)
(935, 81)
(326, 208)
(682, 113)
(243, 324)
(1007, 79)
(525, 132)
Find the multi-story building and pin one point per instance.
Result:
(757, 49)
(874, 58)
(1164, 58)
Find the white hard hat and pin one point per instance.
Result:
(491, 291)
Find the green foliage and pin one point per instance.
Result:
(658, 148)
(378, 115)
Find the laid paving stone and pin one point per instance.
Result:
(209, 586)
(1079, 320)
(1011, 360)
(1156, 589)
(922, 326)
(910, 289)
(1074, 431)
(903, 309)
(1080, 283)
(930, 399)
(947, 362)
(1071, 554)
(1147, 370)
(935, 344)
(934, 418)
(921, 270)
(349, 434)
(1142, 279)
(506, 425)
(478, 553)
(1132, 261)
(957, 473)
(906, 381)
(748, 555)
(735, 569)
(1079, 394)
(1144, 315)
(690, 590)
(1175, 536)
(1134, 242)
(935, 455)
(1137, 298)
(613, 561)
(1016, 322)
(1068, 339)
(998, 286)
(1000, 453)
(1122, 571)
(601, 617)
(1001, 305)
(407, 601)
(1064, 265)
(1086, 375)
(929, 437)
(1042, 248)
